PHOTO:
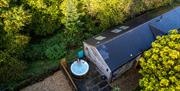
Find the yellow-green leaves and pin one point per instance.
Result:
(173, 79)
(177, 68)
(164, 82)
(4, 3)
(71, 15)
(174, 54)
(21, 40)
(36, 4)
(15, 19)
(109, 12)
(11, 68)
(46, 16)
(155, 3)
(162, 62)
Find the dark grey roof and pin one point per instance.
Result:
(120, 48)
(167, 21)
(126, 47)
(132, 24)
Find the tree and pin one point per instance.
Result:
(46, 16)
(4, 3)
(15, 44)
(10, 68)
(12, 42)
(150, 4)
(14, 19)
(72, 14)
(71, 17)
(108, 12)
(161, 64)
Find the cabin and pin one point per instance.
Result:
(115, 50)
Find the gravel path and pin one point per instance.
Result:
(56, 82)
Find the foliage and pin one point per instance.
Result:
(116, 89)
(36, 30)
(112, 12)
(4, 3)
(46, 16)
(108, 13)
(72, 14)
(150, 4)
(161, 64)
(48, 49)
(55, 52)
(10, 68)
(15, 44)
(55, 48)
(15, 19)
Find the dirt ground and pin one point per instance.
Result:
(128, 81)
(56, 82)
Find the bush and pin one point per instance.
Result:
(4, 3)
(151, 4)
(161, 64)
(116, 89)
(12, 22)
(108, 13)
(46, 16)
(71, 18)
(112, 12)
(14, 19)
(73, 14)
(55, 47)
(10, 68)
(55, 52)
(15, 45)
(48, 49)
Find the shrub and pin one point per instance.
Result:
(150, 4)
(108, 12)
(116, 89)
(112, 12)
(46, 16)
(4, 3)
(71, 18)
(48, 49)
(55, 52)
(55, 47)
(15, 19)
(73, 14)
(34, 52)
(15, 44)
(10, 68)
(161, 64)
